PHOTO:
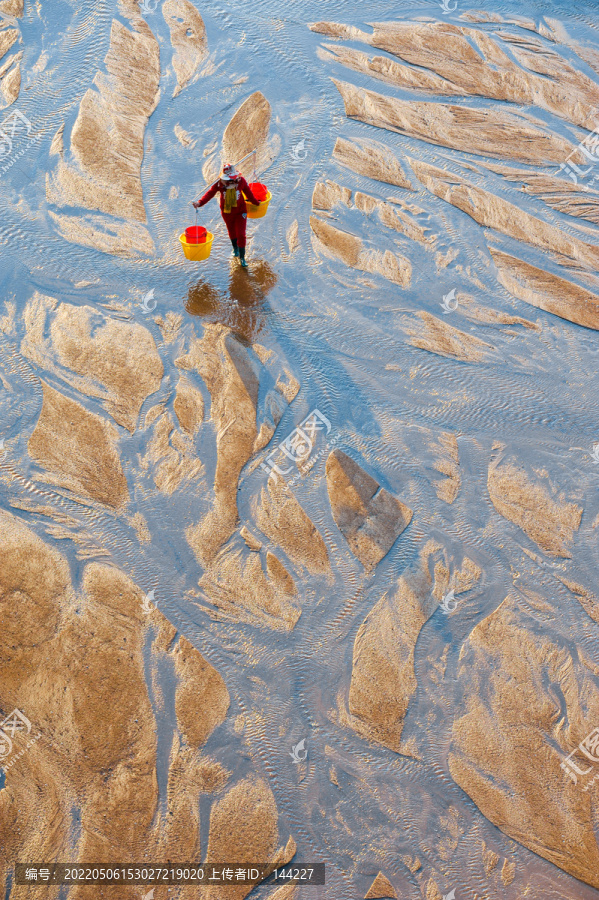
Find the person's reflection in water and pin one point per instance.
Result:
(243, 307)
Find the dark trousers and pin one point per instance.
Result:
(236, 223)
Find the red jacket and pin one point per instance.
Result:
(242, 188)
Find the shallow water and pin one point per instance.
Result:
(343, 334)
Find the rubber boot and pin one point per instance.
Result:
(242, 255)
(235, 247)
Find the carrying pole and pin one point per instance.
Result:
(239, 161)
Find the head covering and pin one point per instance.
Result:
(229, 171)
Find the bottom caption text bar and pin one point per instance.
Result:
(167, 873)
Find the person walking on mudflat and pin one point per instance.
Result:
(234, 190)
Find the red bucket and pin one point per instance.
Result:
(259, 191)
(195, 234)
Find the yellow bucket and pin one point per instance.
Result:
(259, 210)
(197, 251)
